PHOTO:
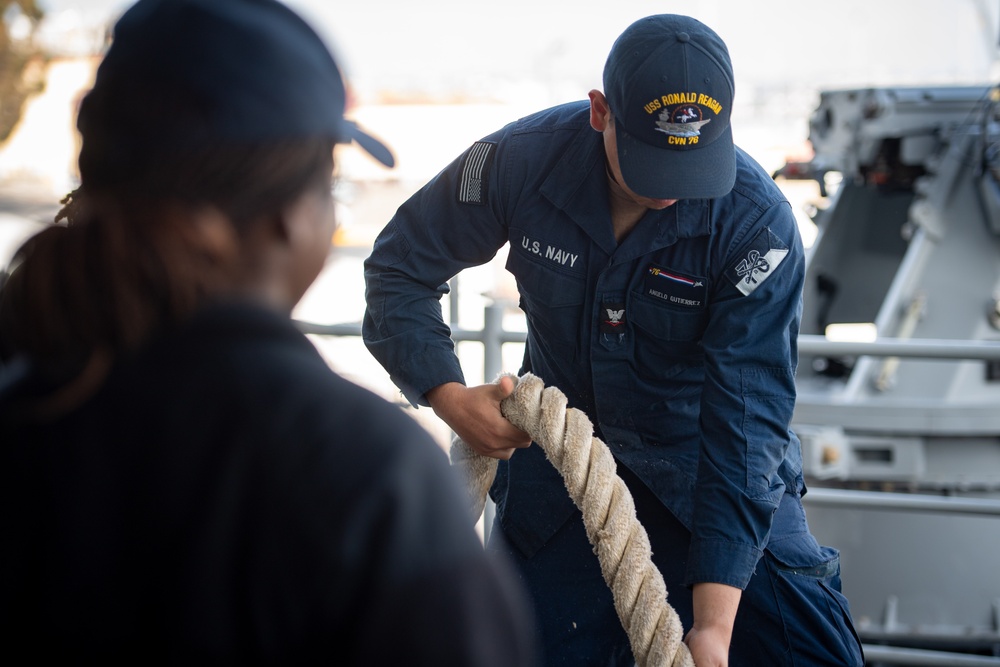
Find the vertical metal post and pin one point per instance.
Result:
(492, 367)
(492, 341)
(453, 302)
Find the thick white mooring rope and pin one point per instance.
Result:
(619, 540)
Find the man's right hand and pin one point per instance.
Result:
(473, 413)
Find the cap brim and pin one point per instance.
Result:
(705, 172)
(374, 147)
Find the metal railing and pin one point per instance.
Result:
(925, 348)
(907, 502)
(493, 336)
(895, 655)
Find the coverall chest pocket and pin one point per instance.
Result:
(667, 338)
(552, 300)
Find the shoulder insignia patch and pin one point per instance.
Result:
(758, 262)
(473, 182)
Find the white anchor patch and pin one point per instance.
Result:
(761, 259)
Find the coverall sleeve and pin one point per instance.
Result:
(442, 229)
(747, 399)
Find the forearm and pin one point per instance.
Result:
(715, 608)
(474, 414)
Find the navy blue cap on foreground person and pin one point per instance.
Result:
(183, 479)
(235, 71)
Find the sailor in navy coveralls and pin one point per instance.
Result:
(660, 270)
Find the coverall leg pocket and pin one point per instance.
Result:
(794, 601)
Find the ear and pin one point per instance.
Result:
(281, 225)
(213, 233)
(600, 112)
(264, 234)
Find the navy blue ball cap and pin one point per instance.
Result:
(669, 84)
(245, 71)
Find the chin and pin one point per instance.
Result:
(658, 204)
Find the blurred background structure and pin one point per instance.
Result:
(432, 76)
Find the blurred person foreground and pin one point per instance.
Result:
(183, 479)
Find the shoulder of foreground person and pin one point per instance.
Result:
(361, 482)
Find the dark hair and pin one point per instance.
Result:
(129, 257)
(199, 106)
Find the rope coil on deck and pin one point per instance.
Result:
(619, 540)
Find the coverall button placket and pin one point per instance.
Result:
(611, 352)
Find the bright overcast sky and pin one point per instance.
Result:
(439, 46)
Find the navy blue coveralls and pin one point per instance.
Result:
(680, 345)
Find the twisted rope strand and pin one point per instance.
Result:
(619, 540)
